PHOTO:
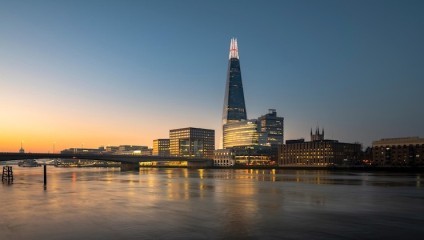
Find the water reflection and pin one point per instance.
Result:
(203, 204)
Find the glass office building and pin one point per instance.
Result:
(243, 133)
(234, 106)
(273, 126)
(192, 142)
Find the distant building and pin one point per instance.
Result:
(192, 142)
(407, 151)
(273, 126)
(161, 147)
(111, 149)
(318, 152)
(81, 150)
(224, 158)
(127, 150)
(134, 150)
(21, 150)
(317, 136)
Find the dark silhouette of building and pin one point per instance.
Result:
(317, 136)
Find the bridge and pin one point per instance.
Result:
(128, 162)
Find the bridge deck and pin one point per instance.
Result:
(7, 156)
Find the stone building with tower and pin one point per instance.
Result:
(318, 152)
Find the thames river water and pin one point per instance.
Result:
(105, 203)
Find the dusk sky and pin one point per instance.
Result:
(91, 73)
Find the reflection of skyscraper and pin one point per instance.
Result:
(234, 106)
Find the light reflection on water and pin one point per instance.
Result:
(100, 203)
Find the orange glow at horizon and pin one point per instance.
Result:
(45, 132)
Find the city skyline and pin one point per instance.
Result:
(90, 73)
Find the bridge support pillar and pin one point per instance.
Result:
(130, 166)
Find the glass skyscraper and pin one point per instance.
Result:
(234, 106)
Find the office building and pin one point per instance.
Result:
(407, 151)
(318, 152)
(273, 126)
(161, 147)
(192, 142)
(242, 134)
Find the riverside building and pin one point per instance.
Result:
(192, 142)
(224, 158)
(319, 152)
(161, 147)
(243, 133)
(406, 151)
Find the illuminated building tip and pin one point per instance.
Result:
(233, 49)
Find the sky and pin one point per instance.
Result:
(91, 73)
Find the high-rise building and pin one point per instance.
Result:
(273, 126)
(234, 106)
(161, 147)
(192, 142)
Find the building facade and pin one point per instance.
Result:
(192, 142)
(234, 106)
(273, 126)
(242, 133)
(318, 152)
(161, 147)
(224, 158)
(407, 151)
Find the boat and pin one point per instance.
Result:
(29, 163)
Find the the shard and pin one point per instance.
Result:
(234, 106)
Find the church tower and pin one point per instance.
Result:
(317, 136)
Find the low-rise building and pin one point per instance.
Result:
(406, 151)
(224, 158)
(318, 152)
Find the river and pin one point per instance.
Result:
(105, 203)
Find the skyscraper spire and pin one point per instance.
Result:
(233, 49)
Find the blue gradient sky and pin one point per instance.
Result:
(95, 73)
